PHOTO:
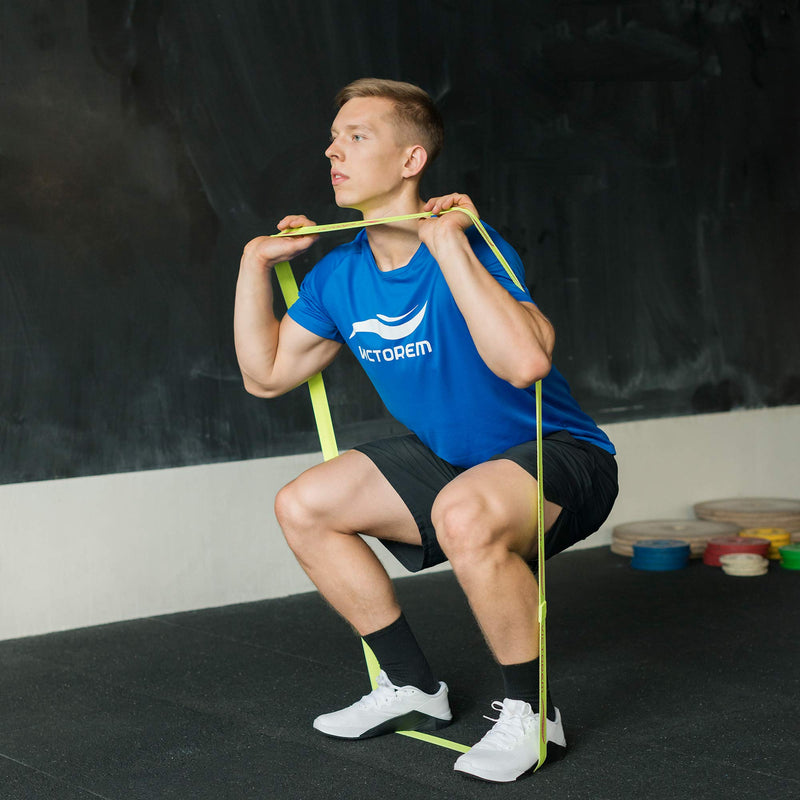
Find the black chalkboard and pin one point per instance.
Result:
(643, 157)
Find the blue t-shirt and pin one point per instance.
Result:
(406, 330)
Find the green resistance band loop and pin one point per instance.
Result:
(327, 438)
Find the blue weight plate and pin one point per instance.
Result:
(660, 555)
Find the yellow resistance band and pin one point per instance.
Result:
(327, 438)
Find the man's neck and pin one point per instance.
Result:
(393, 245)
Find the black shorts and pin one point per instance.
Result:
(578, 476)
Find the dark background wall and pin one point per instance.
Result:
(642, 156)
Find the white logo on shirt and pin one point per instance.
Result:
(381, 325)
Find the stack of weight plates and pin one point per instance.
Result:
(659, 555)
(721, 546)
(754, 512)
(696, 533)
(744, 565)
(777, 538)
(790, 556)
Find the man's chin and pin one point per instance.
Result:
(343, 202)
(352, 204)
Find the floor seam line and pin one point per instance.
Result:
(53, 777)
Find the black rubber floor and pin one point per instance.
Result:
(681, 684)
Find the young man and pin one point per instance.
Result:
(454, 349)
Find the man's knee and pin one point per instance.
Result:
(464, 524)
(295, 513)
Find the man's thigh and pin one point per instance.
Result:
(349, 494)
(502, 499)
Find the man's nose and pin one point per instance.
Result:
(333, 151)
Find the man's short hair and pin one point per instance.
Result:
(414, 109)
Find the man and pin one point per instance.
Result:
(454, 349)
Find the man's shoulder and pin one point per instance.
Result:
(476, 239)
(482, 249)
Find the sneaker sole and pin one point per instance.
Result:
(555, 752)
(412, 721)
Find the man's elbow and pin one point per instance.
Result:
(530, 370)
(264, 391)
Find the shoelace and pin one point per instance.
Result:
(508, 728)
(383, 694)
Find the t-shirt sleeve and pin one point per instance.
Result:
(489, 260)
(309, 309)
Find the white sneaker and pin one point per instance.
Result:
(511, 747)
(388, 708)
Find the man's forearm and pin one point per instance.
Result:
(255, 326)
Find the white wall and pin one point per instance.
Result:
(85, 551)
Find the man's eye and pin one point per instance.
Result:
(357, 137)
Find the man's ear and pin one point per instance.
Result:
(416, 160)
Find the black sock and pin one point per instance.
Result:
(400, 656)
(521, 682)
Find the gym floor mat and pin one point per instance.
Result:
(672, 684)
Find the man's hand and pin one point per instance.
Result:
(439, 231)
(267, 251)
